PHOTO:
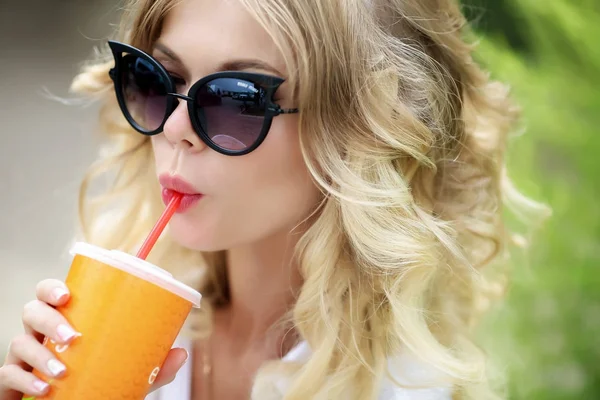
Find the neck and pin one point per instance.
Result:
(264, 280)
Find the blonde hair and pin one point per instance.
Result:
(406, 136)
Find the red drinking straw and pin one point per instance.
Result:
(160, 226)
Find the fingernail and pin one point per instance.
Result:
(56, 367)
(59, 294)
(187, 355)
(40, 386)
(66, 333)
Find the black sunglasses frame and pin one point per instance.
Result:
(269, 83)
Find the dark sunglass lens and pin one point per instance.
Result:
(145, 92)
(231, 112)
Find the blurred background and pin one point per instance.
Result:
(547, 50)
(45, 145)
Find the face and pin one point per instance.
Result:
(248, 198)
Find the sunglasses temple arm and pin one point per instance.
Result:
(276, 110)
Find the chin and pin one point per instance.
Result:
(194, 237)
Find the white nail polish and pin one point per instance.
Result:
(65, 332)
(40, 386)
(56, 367)
(59, 293)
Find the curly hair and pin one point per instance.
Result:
(405, 134)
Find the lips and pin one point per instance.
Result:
(172, 185)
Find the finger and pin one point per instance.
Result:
(41, 318)
(53, 292)
(13, 378)
(173, 363)
(26, 349)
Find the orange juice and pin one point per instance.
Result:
(129, 313)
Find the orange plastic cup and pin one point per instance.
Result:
(129, 313)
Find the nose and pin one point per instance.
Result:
(178, 130)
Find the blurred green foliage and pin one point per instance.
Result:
(548, 334)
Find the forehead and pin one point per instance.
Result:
(208, 33)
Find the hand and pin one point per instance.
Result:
(41, 319)
(173, 363)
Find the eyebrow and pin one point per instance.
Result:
(233, 65)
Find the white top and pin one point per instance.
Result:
(406, 369)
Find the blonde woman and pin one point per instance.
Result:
(342, 165)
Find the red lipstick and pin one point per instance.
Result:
(174, 184)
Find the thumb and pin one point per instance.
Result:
(173, 363)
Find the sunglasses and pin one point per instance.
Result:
(230, 111)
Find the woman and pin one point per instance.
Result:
(343, 171)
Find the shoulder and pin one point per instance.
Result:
(394, 393)
(412, 379)
(409, 377)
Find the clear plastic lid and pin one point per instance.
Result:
(140, 268)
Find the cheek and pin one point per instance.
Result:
(273, 190)
(162, 151)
